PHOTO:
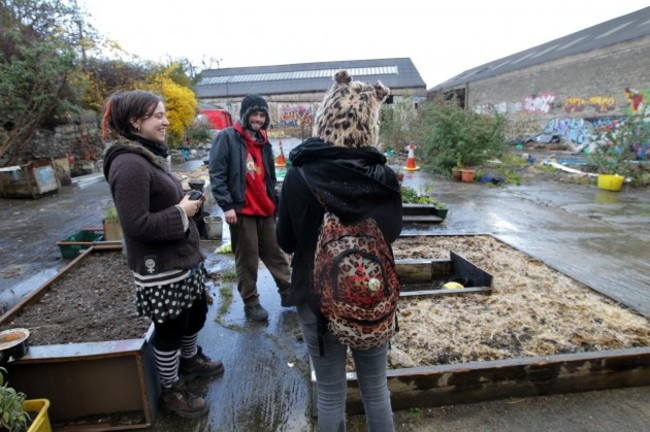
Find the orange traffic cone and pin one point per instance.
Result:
(280, 162)
(410, 162)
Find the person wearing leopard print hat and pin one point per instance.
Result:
(351, 178)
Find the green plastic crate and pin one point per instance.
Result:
(72, 246)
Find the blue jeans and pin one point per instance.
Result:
(370, 366)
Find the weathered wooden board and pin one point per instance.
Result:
(482, 381)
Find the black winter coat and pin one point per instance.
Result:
(353, 183)
(227, 161)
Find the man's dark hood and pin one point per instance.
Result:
(350, 182)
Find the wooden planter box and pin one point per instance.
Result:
(430, 386)
(72, 246)
(107, 385)
(28, 181)
(112, 230)
(422, 213)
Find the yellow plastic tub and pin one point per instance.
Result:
(610, 182)
(41, 422)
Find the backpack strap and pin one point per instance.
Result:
(321, 324)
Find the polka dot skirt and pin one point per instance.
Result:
(165, 302)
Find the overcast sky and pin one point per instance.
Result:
(443, 38)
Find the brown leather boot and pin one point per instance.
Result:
(181, 402)
(200, 366)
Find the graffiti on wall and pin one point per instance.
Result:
(295, 115)
(607, 123)
(580, 130)
(575, 129)
(603, 104)
(501, 108)
(638, 100)
(639, 104)
(539, 104)
(574, 104)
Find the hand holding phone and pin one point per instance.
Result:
(195, 195)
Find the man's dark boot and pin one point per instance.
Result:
(200, 366)
(180, 401)
(284, 298)
(256, 313)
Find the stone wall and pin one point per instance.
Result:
(80, 138)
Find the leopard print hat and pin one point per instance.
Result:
(350, 112)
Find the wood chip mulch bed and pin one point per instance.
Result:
(533, 310)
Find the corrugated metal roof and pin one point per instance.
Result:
(621, 29)
(299, 74)
(305, 77)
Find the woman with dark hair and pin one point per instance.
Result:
(162, 243)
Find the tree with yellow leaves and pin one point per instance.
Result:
(180, 103)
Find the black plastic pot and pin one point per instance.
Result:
(13, 344)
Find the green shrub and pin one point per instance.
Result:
(455, 137)
(622, 150)
(199, 132)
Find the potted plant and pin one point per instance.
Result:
(467, 174)
(441, 210)
(455, 172)
(617, 150)
(12, 415)
(15, 410)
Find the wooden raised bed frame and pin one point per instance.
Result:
(89, 385)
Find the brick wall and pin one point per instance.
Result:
(590, 85)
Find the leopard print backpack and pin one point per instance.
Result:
(356, 279)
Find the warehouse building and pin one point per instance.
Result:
(567, 86)
(294, 91)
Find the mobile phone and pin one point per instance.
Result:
(194, 195)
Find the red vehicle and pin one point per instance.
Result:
(218, 118)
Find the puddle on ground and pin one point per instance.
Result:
(605, 197)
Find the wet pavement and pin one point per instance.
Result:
(598, 237)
